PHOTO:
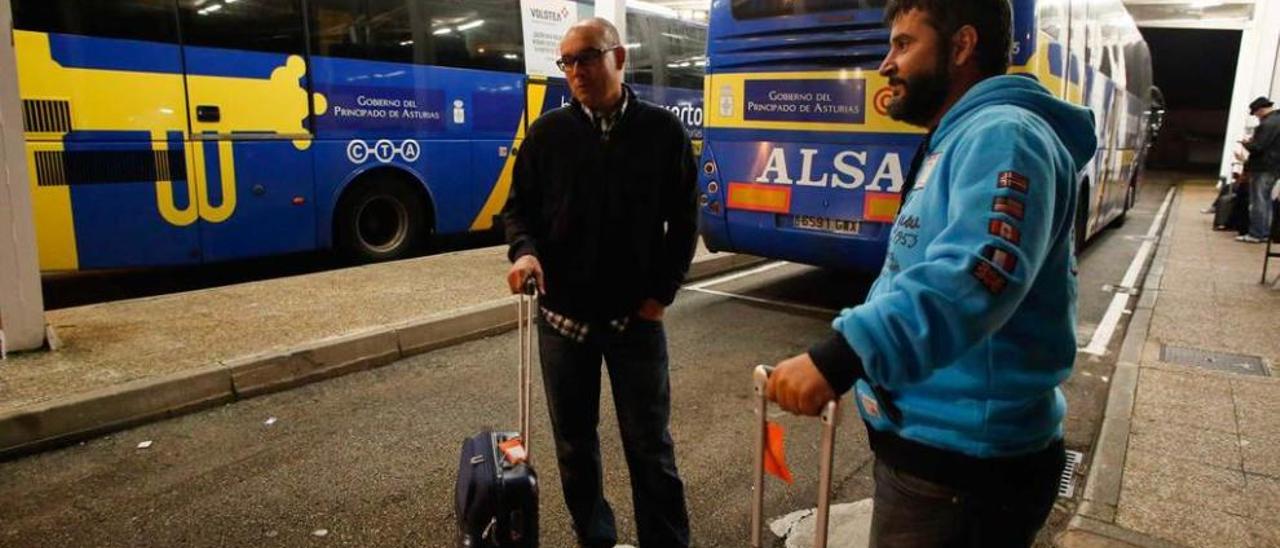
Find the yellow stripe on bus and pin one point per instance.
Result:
(51, 206)
(502, 188)
(726, 93)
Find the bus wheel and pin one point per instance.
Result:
(382, 220)
(1130, 197)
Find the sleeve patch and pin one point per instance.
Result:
(1012, 207)
(1014, 180)
(1001, 258)
(1004, 230)
(990, 278)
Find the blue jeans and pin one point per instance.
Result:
(638, 375)
(1260, 184)
(911, 512)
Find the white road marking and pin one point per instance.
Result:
(1120, 302)
(736, 275)
(782, 304)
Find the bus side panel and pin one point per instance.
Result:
(104, 138)
(452, 129)
(270, 192)
(116, 207)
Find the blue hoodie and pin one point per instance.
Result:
(970, 327)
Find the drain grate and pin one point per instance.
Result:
(1067, 483)
(1218, 361)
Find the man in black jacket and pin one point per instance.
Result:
(1263, 168)
(603, 215)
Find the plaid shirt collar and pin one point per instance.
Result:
(606, 122)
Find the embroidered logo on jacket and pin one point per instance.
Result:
(1004, 230)
(1009, 206)
(1014, 180)
(1003, 259)
(990, 277)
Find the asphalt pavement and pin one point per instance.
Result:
(369, 459)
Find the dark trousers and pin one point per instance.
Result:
(913, 512)
(637, 363)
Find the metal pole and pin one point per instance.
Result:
(760, 378)
(21, 304)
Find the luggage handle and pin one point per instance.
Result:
(830, 417)
(524, 330)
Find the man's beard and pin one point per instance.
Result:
(922, 95)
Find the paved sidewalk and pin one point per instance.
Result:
(1190, 456)
(127, 362)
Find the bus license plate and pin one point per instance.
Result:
(839, 226)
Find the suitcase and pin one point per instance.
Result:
(1222, 210)
(496, 495)
(830, 417)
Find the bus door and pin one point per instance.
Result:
(250, 109)
(102, 103)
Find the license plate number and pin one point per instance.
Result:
(823, 224)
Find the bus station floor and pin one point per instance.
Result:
(1189, 455)
(126, 362)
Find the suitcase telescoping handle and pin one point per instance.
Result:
(525, 310)
(830, 414)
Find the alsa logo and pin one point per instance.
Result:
(847, 169)
(549, 15)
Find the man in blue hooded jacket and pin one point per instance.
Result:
(956, 355)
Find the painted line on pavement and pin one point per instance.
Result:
(1120, 302)
(736, 275)
(783, 304)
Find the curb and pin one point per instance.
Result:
(1094, 521)
(66, 420)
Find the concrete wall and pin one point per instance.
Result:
(616, 12)
(21, 304)
(1257, 72)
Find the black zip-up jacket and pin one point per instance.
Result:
(612, 219)
(1264, 147)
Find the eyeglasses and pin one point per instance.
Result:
(589, 56)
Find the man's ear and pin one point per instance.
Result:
(620, 57)
(964, 45)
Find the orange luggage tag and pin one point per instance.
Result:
(775, 458)
(513, 450)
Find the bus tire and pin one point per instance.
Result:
(1130, 197)
(381, 219)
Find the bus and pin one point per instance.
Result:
(177, 132)
(801, 161)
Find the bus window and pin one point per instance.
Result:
(665, 52)
(479, 34)
(761, 9)
(255, 25)
(150, 20)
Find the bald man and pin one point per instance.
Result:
(603, 215)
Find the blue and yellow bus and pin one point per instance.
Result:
(167, 132)
(801, 161)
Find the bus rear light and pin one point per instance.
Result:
(709, 167)
(759, 197)
(703, 200)
(880, 206)
(713, 188)
(299, 200)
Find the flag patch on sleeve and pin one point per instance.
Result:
(1014, 180)
(1004, 230)
(1001, 258)
(1009, 206)
(990, 277)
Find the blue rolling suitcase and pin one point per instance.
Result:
(496, 495)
